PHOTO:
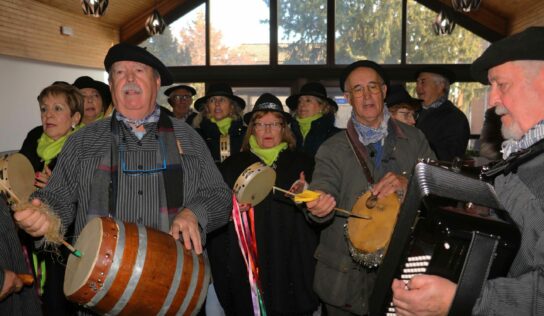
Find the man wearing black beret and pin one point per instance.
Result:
(139, 165)
(514, 69)
(180, 98)
(374, 154)
(445, 126)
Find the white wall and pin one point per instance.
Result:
(21, 81)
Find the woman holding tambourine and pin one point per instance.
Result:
(284, 241)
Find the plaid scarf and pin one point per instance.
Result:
(104, 188)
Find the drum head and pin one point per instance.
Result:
(255, 183)
(18, 174)
(368, 236)
(78, 270)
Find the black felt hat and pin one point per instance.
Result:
(181, 86)
(444, 72)
(219, 89)
(102, 88)
(267, 102)
(526, 45)
(363, 64)
(397, 94)
(315, 89)
(125, 51)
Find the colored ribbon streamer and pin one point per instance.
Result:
(245, 231)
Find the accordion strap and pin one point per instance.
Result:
(475, 271)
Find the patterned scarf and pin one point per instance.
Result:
(267, 155)
(438, 102)
(369, 135)
(533, 135)
(306, 123)
(48, 148)
(103, 201)
(223, 125)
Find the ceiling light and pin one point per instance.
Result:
(96, 8)
(155, 23)
(465, 5)
(443, 24)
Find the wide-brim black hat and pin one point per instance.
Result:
(216, 90)
(444, 72)
(526, 45)
(181, 86)
(267, 102)
(363, 64)
(125, 51)
(315, 89)
(102, 88)
(397, 94)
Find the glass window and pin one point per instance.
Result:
(183, 43)
(425, 47)
(238, 37)
(368, 29)
(302, 32)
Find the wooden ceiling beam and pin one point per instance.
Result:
(134, 31)
(481, 22)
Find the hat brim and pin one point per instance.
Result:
(102, 88)
(444, 72)
(292, 101)
(182, 86)
(201, 102)
(249, 115)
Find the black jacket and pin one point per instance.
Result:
(447, 130)
(321, 130)
(210, 132)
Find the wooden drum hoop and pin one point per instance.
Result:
(254, 184)
(17, 176)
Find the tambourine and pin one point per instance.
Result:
(16, 176)
(254, 184)
(368, 239)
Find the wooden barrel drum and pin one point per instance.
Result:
(131, 269)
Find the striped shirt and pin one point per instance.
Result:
(69, 189)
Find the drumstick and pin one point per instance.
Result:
(73, 250)
(27, 279)
(336, 208)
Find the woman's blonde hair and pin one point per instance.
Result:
(73, 96)
(286, 134)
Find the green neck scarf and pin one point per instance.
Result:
(267, 155)
(223, 125)
(48, 148)
(306, 123)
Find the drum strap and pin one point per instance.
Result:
(359, 150)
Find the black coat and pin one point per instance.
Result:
(30, 146)
(286, 241)
(210, 132)
(320, 131)
(447, 130)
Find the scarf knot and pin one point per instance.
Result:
(267, 155)
(368, 135)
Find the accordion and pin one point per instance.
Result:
(450, 225)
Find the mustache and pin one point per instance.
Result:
(131, 86)
(500, 110)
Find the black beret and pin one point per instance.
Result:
(444, 72)
(102, 88)
(526, 45)
(125, 51)
(363, 64)
(181, 86)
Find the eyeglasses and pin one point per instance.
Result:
(141, 171)
(371, 87)
(262, 126)
(217, 100)
(91, 97)
(179, 98)
(407, 114)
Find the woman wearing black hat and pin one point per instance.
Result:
(285, 241)
(220, 121)
(314, 116)
(97, 98)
